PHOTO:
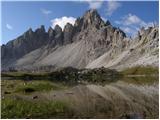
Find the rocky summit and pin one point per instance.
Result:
(89, 43)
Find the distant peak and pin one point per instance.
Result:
(91, 11)
(58, 29)
(90, 18)
(50, 29)
(108, 22)
(68, 26)
(30, 30)
(42, 28)
(92, 14)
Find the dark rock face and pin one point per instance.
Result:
(68, 33)
(24, 44)
(108, 23)
(51, 37)
(51, 33)
(58, 35)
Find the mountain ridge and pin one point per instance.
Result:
(81, 45)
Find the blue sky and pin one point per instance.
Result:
(18, 16)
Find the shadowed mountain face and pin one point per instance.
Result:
(90, 43)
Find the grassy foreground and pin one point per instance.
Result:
(27, 87)
(125, 98)
(12, 108)
(15, 105)
(121, 99)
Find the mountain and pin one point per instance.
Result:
(141, 51)
(89, 43)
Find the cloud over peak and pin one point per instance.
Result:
(131, 19)
(63, 21)
(131, 23)
(112, 6)
(94, 4)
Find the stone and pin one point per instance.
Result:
(35, 97)
(68, 33)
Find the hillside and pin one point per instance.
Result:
(89, 43)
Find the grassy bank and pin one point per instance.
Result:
(68, 74)
(141, 70)
(12, 108)
(141, 80)
(21, 86)
(38, 86)
(25, 97)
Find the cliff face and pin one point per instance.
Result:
(143, 50)
(90, 43)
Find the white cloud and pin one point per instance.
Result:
(63, 21)
(46, 12)
(8, 26)
(131, 23)
(129, 30)
(112, 6)
(149, 24)
(132, 19)
(94, 4)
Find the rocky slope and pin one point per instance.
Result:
(142, 50)
(89, 43)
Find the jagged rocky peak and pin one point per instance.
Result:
(40, 30)
(108, 22)
(28, 33)
(51, 33)
(68, 33)
(68, 26)
(90, 18)
(92, 15)
(143, 32)
(58, 40)
(50, 29)
(58, 29)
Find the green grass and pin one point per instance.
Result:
(139, 70)
(21, 74)
(66, 74)
(25, 75)
(143, 80)
(20, 86)
(37, 86)
(11, 108)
